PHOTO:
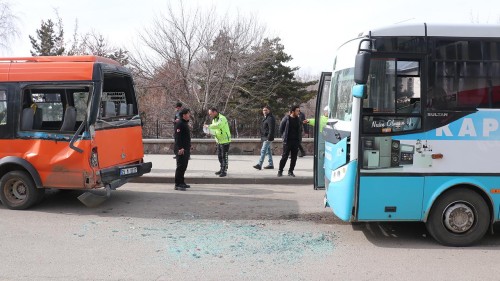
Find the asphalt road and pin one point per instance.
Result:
(245, 232)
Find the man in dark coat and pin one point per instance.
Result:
(182, 148)
(267, 129)
(291, 133)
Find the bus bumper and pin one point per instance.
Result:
(118, 176)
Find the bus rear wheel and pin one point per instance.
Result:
(459, 217)
(18, 191)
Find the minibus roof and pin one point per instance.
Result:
(50, 68)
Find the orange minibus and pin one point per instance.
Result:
(66, 122)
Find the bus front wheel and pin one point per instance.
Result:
(18, 191)
(459, 217)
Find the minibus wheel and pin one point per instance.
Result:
(459, 217)
(18, 190)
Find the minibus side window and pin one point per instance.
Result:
(3, 108)
(60, 108)
(48, 108)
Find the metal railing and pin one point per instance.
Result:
(165, 129)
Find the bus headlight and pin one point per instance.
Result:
(339, 174)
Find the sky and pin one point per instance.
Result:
(311, 30)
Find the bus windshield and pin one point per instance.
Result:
(340, 102)
(341, 98)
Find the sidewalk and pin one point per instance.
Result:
(201, 170)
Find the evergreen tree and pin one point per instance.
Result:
(274, 83)
(49, 41)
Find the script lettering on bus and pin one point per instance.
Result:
(379, 124)
(388, 123)
(468, 128)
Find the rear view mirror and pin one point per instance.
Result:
(361, 67)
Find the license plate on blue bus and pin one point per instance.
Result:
(128, 171)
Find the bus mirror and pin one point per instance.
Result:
(361, 67)
(359, 91)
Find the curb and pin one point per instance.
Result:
(285, 180)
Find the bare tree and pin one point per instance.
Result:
(8, 25)
(198, 58)
(94, 43)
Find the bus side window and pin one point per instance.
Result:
(413, 123)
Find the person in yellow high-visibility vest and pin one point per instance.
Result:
(323, 119)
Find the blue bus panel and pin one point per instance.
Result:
(390, 198)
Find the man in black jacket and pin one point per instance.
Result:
(267, 128)
(182, 148)
(291, 133)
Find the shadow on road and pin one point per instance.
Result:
(207, 202)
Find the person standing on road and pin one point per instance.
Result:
(267, 128)
(220, 129)
(323, 120)
(182, 148)
(291, 133)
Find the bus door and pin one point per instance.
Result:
(319, 140)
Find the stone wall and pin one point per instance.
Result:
(207, 146)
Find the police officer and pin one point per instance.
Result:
(220, 129)
(182, 148)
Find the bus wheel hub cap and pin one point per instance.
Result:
(458, 218)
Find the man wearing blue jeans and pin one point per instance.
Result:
(267, 128)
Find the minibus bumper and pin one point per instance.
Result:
(117, 176)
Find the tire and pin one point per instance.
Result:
(459, 217)
(18, 191)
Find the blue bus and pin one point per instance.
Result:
(413, 129)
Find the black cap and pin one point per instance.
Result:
(179, 104)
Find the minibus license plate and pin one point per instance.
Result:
(128, 171)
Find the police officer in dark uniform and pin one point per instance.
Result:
(177, 116)
(182, 148)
